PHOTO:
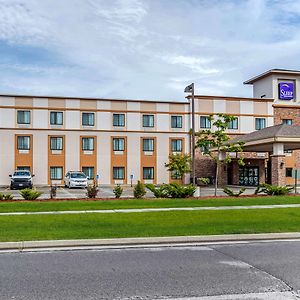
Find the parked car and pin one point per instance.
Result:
(21, 179)
(76, 179)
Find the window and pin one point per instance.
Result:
(175, 174)
(23, 168)
(260, 123)
(288, 151)
(88, 144)
(287, 121)
(148, 173)
(119, 144)
(148, 120)
(23, 117)
(89, 172)
(176, 121)
(148, 144)
(56, 143)
(118, 172)
(56, 173)
(233, 124)
(119, 120)
(289, 172)
(56, 118)
(23, 142)
(176, 145)
(88, 119)
(205, 122)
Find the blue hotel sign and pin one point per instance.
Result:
(286, 90)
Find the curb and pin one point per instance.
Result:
(31, 245)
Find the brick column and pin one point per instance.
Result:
(278, 170)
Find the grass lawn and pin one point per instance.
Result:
(48, 205)
(175, 223)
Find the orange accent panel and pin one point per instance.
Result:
(88, 160)
(24, 159)
(56, 160)
(118, 160)
(149, 160)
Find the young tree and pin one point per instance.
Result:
(180, 164)
(216, 143)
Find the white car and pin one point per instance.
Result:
(76, 179)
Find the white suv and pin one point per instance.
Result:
(76, 179)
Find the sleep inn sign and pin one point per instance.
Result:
(286, 90)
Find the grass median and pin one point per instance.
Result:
(151, 224)
(47, 205)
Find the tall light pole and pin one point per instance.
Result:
(190, 89)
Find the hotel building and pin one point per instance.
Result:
(119, 141)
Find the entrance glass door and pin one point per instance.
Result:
(249, 176)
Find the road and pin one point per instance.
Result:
(259, 270)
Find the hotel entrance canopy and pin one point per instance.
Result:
(274, 139)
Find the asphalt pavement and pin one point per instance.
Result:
(257, 270)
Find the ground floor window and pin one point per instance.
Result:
(89, 172)
(25, 168)
(289, 172)
(56, 173)
(118, 172)
(148, 173)
(175, 175)
(249, 176)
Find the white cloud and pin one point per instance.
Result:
(144, 48)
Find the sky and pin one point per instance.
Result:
(144, 49)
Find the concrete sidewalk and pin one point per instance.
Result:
(144, 241)
(143, 210)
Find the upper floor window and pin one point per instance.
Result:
(260, 123)
(23, 117)
(287, 121)
(88, 144)
(119, 144)
(56, 118)
(56, 143)
(148, 144)
(176, 145)
(148, 120)
(205, 122)
(119, 120)
(23, 142)
(88, 119)
(233, 124)
(176, 121)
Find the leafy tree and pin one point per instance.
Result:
(179, 164)
(216, 142)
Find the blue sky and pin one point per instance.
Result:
(143, 49)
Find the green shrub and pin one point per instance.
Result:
(139, 190)
(118, 191)
(231, 193)
(203, 181)
(175, 190)
(92, 191)
(8, 196)
(272, 190)
(29, 194)
(158, 191)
